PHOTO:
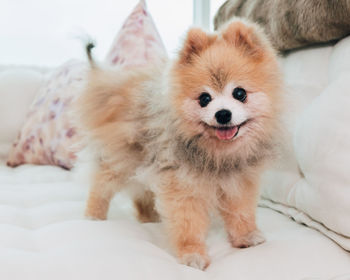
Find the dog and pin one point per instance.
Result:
(187, 137)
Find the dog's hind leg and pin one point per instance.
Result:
(105, 184)
(145, 208)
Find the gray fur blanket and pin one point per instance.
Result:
(292, 24)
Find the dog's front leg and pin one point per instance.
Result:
(186, 218)
(238, 212)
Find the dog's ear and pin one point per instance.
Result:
(196, 41)
(244, 37)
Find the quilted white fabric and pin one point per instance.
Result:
(313, 174)
(43, 235)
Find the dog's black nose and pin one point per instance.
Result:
(223, 116)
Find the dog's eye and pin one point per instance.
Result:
(240, 94)
(204, 99)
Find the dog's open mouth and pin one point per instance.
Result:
(227, 132)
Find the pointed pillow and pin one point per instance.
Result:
(48, 135)
(138, 42)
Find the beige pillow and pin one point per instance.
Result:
(292, 24)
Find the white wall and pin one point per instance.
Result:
(46, 32)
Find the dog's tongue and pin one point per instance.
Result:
(226, 134)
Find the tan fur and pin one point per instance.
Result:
(238, 214)
(186, 217)
(145, 207)
(147, 138)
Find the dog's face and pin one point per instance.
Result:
(227, 84)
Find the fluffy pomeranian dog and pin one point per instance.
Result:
(188, 136)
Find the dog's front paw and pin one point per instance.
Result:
(95, 215)
(195, 260)
(250, 239)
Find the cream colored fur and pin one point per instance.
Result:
(148, 135)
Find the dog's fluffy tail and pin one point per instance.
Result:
(88, 48)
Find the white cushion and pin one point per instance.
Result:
(18, 87)
(313, 172)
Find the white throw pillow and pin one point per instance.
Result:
(18, 86)
(311, 180)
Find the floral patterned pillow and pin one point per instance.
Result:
(48, 135)
(138, 42)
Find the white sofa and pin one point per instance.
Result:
(44, 235)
